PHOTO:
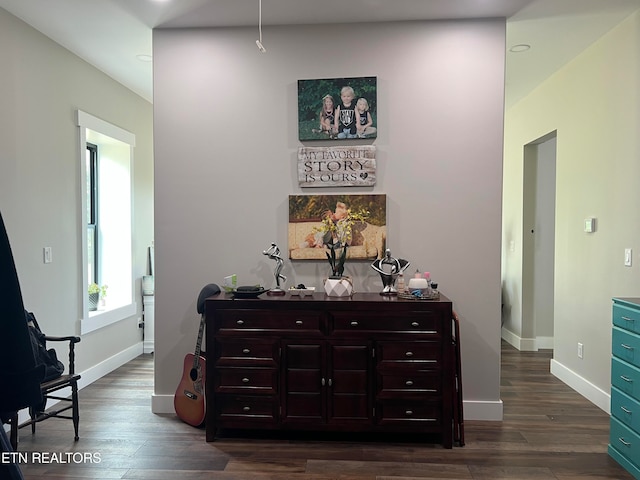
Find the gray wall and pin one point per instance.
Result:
(225, 140)
(41, 87)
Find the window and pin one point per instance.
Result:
(107, 253)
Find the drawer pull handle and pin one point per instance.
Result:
(408, 413)
(415, 324)
(409, 383)
(354, 324)
(246, 409)
(627, 319)
(626, 410)
(246, 351)
(627, 347)
(626, 444)
(626, 379)
(245, 380)
(240, 322)
(298, 322)
(409, 354)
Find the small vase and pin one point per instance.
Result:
(93, 301)
(338, 287)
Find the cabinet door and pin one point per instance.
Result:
(349, 391)
(302, 388)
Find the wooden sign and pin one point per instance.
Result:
(337, 166)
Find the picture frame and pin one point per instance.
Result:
(306, 213)
(354, 101)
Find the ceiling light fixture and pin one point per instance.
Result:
(259, 41)
(521, 47)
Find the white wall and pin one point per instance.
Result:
(594, 106)
(225, 133)
(41, 87)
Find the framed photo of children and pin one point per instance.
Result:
(337, 108)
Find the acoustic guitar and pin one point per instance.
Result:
(189, 400)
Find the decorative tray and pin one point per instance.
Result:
(246, 293)
(421, 296)
(302, 291)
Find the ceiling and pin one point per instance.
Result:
(112, 34)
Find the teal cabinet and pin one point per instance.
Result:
(624, 437)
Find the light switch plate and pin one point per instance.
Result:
(590, 225)
(628, 255)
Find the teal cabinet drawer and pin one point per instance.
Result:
(625, 377)
(626, 346)
(626, 409)
(625, 441)
(626, 317)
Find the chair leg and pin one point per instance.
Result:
(75, 409)
(13, 435)
(33, 414)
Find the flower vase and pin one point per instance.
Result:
(338, 287)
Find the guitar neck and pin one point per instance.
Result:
(196, 355)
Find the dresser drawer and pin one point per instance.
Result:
(233, 410)
(625, 377)
(409, 385)
(626, 346)
(626, 409)
(425, 323)
(625, 441)
(246, 380)
(243, 321)
(413, 354)
(249, 351)
(626, 317)
(419, 414)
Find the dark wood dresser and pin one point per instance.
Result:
(368, 363)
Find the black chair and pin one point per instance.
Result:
(49, 388)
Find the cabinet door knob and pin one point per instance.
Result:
(408, 383)
(246, 409)
(354, 324)
(415, 324)
(246, 350)
(322, 381)
(408, 413)
(298, 322)
(409, 354)
(240, 322)
(245, 380)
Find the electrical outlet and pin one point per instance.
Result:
(580, 350)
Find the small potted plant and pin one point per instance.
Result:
(337, 228)
(96, 292)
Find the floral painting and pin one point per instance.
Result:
(337, 108)
(321, 225)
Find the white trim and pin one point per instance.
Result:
(86, 120)
(588, 390)
(544, 343)
(483, 410)
(107, 317)
(162, 404)
(522, 344)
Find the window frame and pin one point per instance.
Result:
(92, 321)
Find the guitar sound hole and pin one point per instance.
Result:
(193, 374)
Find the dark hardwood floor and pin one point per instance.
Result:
(548, 432)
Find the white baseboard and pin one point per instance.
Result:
(148, 347)
(162, 404)
(526, 344)
(588, 390)
(491, 411)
